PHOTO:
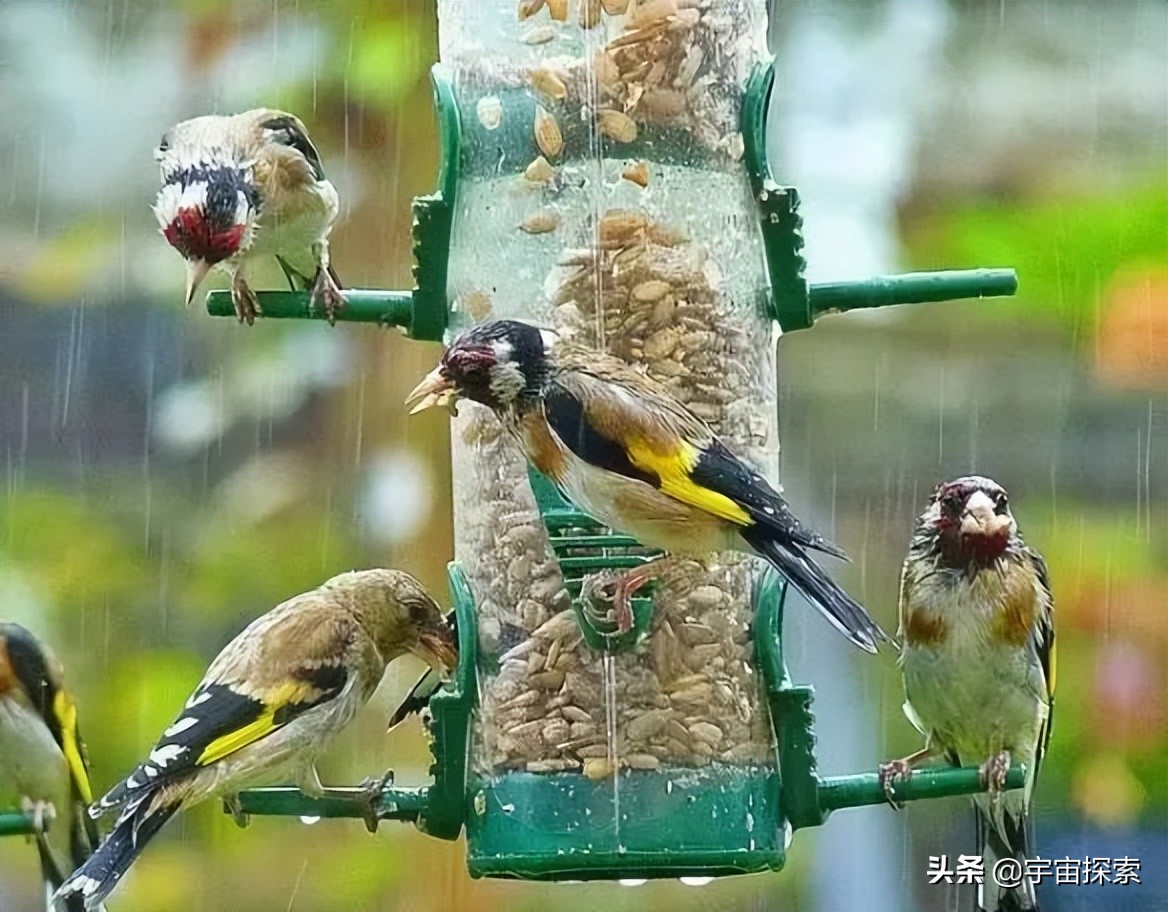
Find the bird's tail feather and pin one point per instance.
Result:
(845, 613)
(1003, 835)
(94, 880)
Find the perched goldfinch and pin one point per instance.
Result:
(626, 452)
(269, 703)
(238, 187)
(977, 633)
(43, 765)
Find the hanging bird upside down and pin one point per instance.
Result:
(236, 188)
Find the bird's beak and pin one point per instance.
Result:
(435, 389)
(979, 518)
(437, 647)
(196, 271)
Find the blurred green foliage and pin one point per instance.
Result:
(1065, 247)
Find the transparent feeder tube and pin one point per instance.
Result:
(603, 194)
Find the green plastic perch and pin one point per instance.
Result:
(389, 308)
(17, 823)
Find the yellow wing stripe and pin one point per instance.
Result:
(66, 712)
(262, 726)
(673, 469)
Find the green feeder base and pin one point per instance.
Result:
(669, 822)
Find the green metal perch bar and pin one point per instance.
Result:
(17, 823)
(396, 803)
(396, 308)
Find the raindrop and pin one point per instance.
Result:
(695, 881)
(309, 821)
(633, 882)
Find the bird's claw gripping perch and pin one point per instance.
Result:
(247, 305)
(618, 590)
(993, 772)
(889, 774)
(369, 799)
(325, 293)
(233, 807)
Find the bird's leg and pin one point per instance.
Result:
(369, 799)
(620, 589)
(309, 782)
(325, 292)
(901, 769)
(993, 772)
(235, 809)
(247, 305)
(42, 814)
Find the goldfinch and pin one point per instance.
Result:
(43, 765)
(235, 188)
(977, 634)
(269, 703)
(626, 452)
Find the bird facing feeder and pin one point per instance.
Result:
(604, 175)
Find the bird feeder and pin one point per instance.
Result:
(606, 176)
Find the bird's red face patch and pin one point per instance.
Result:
(468, 367)
(192, 235)
(972, 522)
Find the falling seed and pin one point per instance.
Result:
(539, 171)
(490, 111)
(616, 125)
(528, 8)
(638, 173)
(547, 133)
(541, 35)
(541, 222)
(546, 80)
(558, 9)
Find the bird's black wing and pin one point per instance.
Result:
(289, 131)
(620, 421)
(1042, 641)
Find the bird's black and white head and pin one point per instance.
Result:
(208, 204)
(501, 364)
(968, 523)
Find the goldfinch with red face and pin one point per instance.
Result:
(235, 188)
(627, 453)
(269, 703)
(43, 765)
(977, 634)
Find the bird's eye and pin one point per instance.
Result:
(163, 144)
(951, 502)
(1001, 504)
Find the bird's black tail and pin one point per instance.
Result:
(1011, 840)
(845, 613)
(94, 880)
